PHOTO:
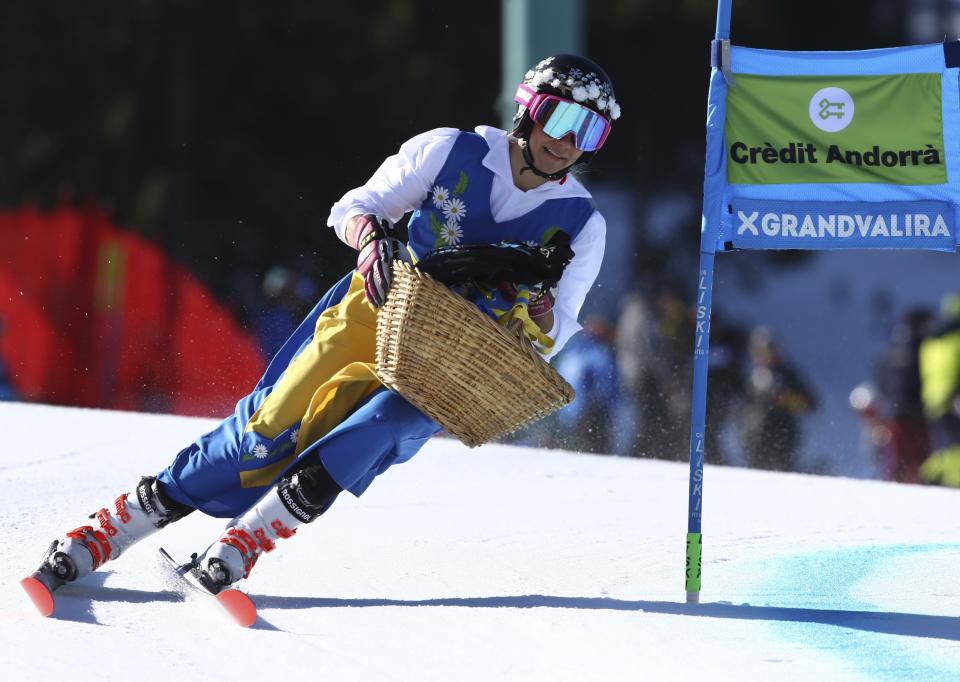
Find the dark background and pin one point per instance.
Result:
(223, 131)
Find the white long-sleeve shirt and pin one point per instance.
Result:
(403, 181)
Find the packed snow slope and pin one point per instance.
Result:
(498, 563)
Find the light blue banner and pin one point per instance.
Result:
(763, 224)
(908, 206)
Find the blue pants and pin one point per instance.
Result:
(382, 430)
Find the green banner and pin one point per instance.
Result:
(840, 129)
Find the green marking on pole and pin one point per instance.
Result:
(694, 547)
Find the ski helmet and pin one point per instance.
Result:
(570, 77)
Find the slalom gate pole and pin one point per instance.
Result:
(716, 112)
(724, 8)
(698, 419)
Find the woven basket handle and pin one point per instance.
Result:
(514, 329)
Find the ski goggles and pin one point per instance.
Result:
(560, 117)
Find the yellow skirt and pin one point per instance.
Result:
(324, 382)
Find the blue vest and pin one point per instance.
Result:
(457, 209)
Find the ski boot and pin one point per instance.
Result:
(294, 501)
(85, 548)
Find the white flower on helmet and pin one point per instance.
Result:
(260, 451)
(588, 88)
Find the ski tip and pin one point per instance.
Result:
(39, 595)
(239, 606)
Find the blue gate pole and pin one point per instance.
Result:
(713, 184)
(723, 19)
(698, 420)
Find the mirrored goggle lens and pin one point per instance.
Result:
(559, 118)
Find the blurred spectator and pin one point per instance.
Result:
(897, 381)
(654, 343)
(287, 298)
(874, 429)
(776, 397)
(676, 327)
(642, 402)
(6, 388)
(940, 389)
(589, 364)
(725, 386)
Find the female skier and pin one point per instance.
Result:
(319, 422)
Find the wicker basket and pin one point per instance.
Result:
(476, 379)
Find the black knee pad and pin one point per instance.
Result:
(308, 491)
(153, 498)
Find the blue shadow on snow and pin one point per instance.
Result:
(907, 624)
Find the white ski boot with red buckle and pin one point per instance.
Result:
(132, 518)
(277, 515)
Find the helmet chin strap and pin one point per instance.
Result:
(528, 158)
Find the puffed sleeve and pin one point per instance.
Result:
(577, 280)
(400, 184)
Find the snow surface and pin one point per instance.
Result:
(499, 563)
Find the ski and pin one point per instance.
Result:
(39, 594)
(237, 604)
(41, 584)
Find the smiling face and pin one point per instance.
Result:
(550, 155)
